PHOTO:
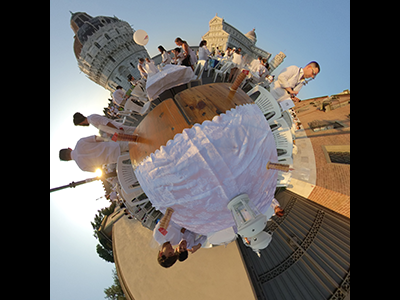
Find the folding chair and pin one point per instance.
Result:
(127, 179)
(266, 102)
(198, 73)
(223, 71)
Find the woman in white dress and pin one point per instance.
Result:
(204, 53)
(165, 57)
(188, 53)
(141, 69)
(238, 64)
(150, 67)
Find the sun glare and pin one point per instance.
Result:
(98, 172)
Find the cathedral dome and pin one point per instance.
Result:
(251, 35)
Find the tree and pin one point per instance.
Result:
(104, 249)
(114, 292)
(104, 253)
(98, 218)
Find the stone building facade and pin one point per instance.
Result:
(326, 122)
(223, 35)
(105, 49)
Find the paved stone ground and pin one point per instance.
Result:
(215, 273)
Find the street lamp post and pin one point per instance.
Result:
(74, 184)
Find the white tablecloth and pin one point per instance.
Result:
(169, 77)
(201, 170)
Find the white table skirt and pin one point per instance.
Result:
(201, 170)
(168, 78)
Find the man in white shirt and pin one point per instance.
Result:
(174, 235)
(119, 97)
(92, 152)
(166, 257)
(189, 243)
(255, 64)
(291, 80)
(99, 121)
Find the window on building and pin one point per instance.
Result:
(339, 157)
(318, 125)
(338, 154)
(97, 45)
(107, 36)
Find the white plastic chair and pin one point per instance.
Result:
(222, 237)
(134, 206)
(289, 120)
(223, 71)
(139, 93)
(127, 179)
(221, 62)
(199, 71)
(131, 107)
(278, 124)
(150, 218)
(125, 122)
(284, 142)
(286, 160)
(266, 102)
(283, 179)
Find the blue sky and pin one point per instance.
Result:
(303, 30)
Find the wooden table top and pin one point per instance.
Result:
(204, 102)
(156, 129)
(194, 105)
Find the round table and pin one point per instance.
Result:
(170, 76)
(197, 152)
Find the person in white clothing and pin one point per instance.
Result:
(274, 209)
(204, 53)
(166, 256)
(291, 80)
(261, 69)
(189, 243)
(178, 56)
(141, 66)
(217, 53)
(174, 235)
(150, 67)
(228, 53)
(165, 57)
(119, 97)
(92, 152)
(238, 64)
(255, 64)
(97, 121)
(190, 57)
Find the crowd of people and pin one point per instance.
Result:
(93, 152)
